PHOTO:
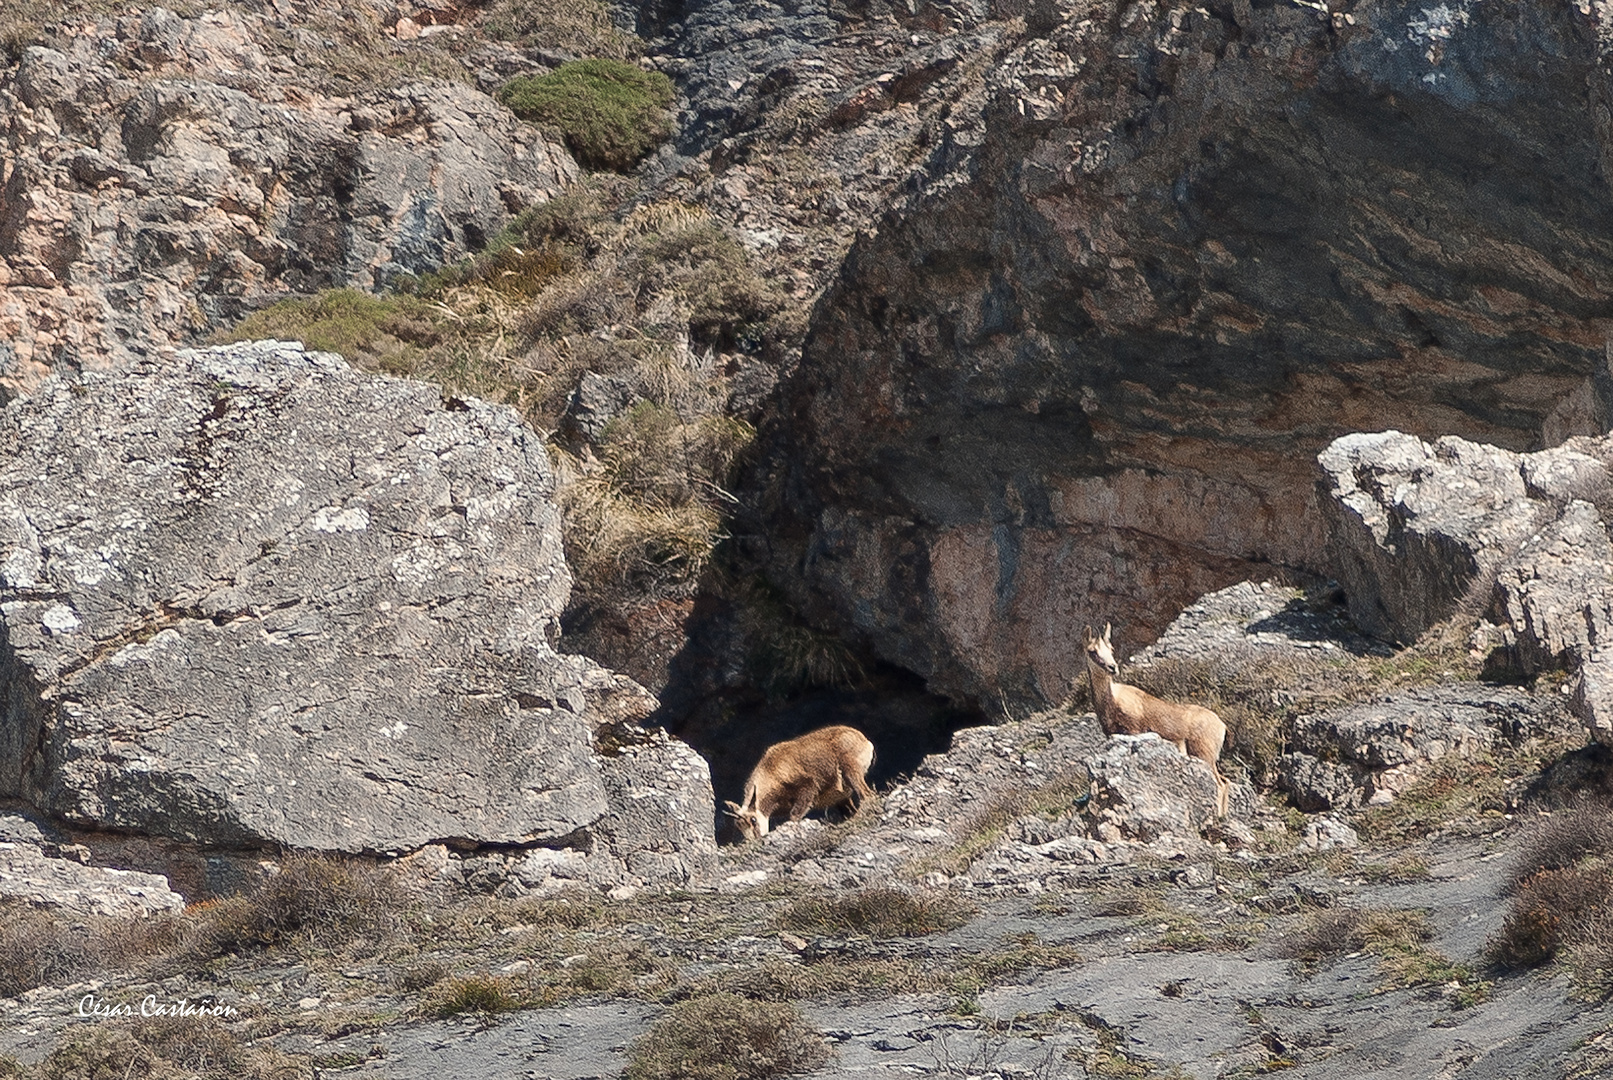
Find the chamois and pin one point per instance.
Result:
(1126, 710)
(820, 769)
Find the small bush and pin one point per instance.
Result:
(1559, 841)
(387, 332)
(877, 912)
(198, 1048)
(422, 976)
(1550, 908)
(323, 899)
(610, 113)
(725, 1037)
(40, 946)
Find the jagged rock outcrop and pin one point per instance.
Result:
(1417, 529)
(161, 177)
(1080, 374)
(251, 597)
(1347, 757)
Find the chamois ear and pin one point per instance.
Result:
(1086, 636)
(1106, 631)
(734, 809)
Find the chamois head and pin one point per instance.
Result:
(751, 823)
(1101, 652)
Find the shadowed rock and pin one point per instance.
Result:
(1080, 372)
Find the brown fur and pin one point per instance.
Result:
(1126, 710)
(821, 769)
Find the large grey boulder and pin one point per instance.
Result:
(1371, 751)
(1418, 529)
(1414, 526)
(250, 596)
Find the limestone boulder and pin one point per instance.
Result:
(1144, 789)
(1413, 526)
(252, 597)
(1371, 752)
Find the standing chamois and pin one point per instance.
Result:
(1126, 710)
(820, 769)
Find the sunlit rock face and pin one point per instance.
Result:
(1082, 372)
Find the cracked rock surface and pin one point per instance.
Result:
(252, 597)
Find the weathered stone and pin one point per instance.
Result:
(162, 178)
(1314, 785)
(1413, 526)
(1383, 745)
(1593, 695)
(1147, 789)
(1326, 833)
(30, 875)
(659, 823)
(597, 400)
(1555, 596)
(251, 596)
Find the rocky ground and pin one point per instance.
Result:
(1072, 933)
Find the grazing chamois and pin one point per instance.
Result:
(1126, 710)
(820, 769)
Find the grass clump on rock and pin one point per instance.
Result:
(609, 112)
(725, 1037)
(877, 912)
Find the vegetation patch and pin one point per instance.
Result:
(579, 27)
(877, 912)
(1398, 938)
(727, 1037)
(485, 994)
(1455, 791)
(200, 1048)
(1052, 799)
(1562, 900)
(609, 112)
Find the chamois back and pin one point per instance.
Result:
(818, 770)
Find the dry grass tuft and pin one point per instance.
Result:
(726, 1037)
(1398, 938)
(197, 1048)
(1560, 841)
(1562, 903)
(877, 912)
(485, 994)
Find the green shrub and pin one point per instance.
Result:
(388, 332)
(725, 1037)
(610, 113)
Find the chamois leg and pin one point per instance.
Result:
(802, 806)
(1209, 752)
(863, 791)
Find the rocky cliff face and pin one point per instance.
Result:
(160, 176)
(1081, 372)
